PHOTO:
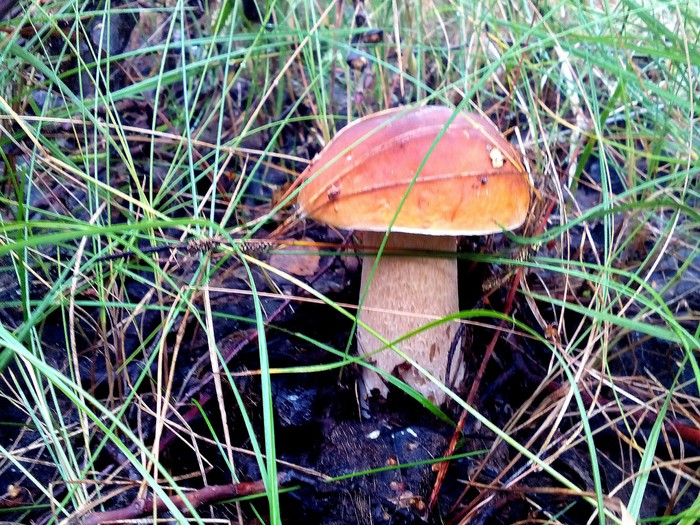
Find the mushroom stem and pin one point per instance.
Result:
(405, 294)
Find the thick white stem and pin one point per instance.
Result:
(405, 294)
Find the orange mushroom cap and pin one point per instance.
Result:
(472, 182)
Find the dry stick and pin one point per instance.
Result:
(198, 498)
(508, 307)
(687, 433)
(684, 431)
(442, 472)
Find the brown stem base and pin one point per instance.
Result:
(406, 293)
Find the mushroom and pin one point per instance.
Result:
(471, 183)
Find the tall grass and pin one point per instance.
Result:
(114, 141)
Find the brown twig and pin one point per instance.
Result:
(442, 472)
(204, 496)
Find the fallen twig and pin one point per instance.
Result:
(204, 496)
(442, 468)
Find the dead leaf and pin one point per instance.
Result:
(301, 260)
